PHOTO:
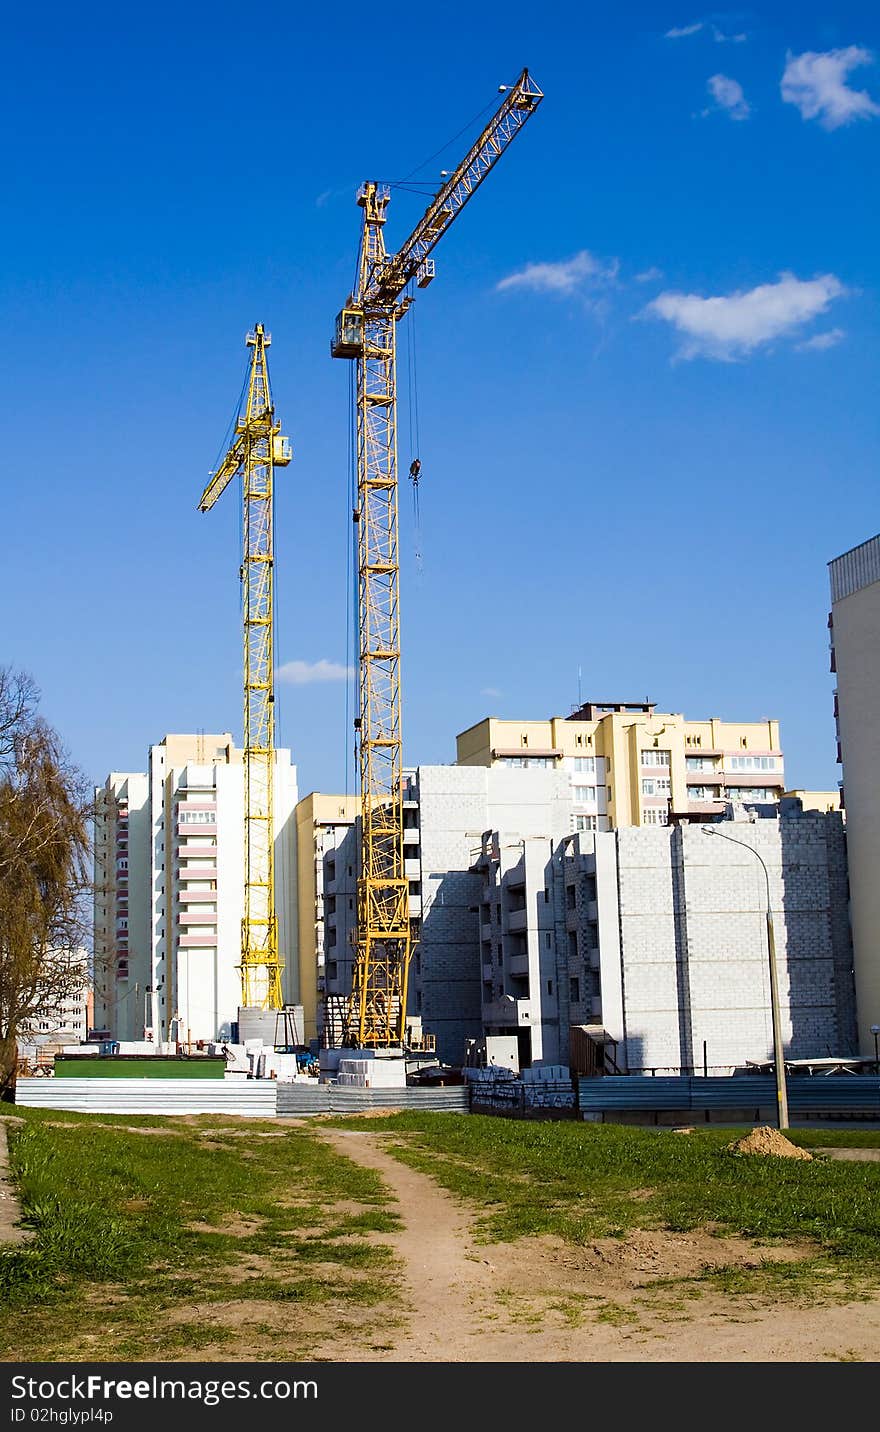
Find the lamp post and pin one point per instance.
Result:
(778, 1060)
(875, 1030)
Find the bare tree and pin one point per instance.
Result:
(44, 846)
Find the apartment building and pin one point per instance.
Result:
(854, 626)
(630, 765)
(169, 890)
(655, 942)
(326, 843)
(328, 861)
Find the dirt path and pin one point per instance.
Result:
(541, 1300)
(11, 1230)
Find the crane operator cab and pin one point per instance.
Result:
(348, 341)
(281, 453)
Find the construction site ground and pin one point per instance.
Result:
(636, 1299)
(395, 1267)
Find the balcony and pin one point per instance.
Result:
(517, 920)
(518, 965)
(196, 852)
(485, 932)
(411, 835)
(593, 959)
(592, 911)
(195, 897)
(192, 942)
(185, 827)
(197, 917)
(198, 872)
(488, 973)
(412, 869)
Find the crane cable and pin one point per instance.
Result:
(415, 466)
(351, 591)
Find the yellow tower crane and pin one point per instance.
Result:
(366, 332)
(257, 449)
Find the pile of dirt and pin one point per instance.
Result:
(767, 1140)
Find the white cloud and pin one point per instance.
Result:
(816, 83)
(649, 275)
(565, 277)
(829, 339)
(305, 673)
(678, 32)
(732, 326)
(728, 95)
(721, 39)
(491, 691)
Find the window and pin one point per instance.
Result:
(570, 897)
(196, 817)
(656, 758)
(572, 945)
(585, 765)
(547, 939)
(699, 763)
(586, 822)
(647, 788)
(752, 763)
(584, 795)
(575, 990)
(655, 816)
(549, 986)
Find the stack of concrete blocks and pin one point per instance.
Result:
(236, 1057)
(695, 962)
(362, 1070)
(492, 1075)
(547, 1086)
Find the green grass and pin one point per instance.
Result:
(582, 1181)
(137, 1233)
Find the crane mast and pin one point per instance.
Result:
(257, 449)
(366, 332)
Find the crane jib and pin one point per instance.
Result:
(519, 104)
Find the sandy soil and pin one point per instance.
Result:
(541, 1300)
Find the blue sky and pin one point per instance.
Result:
(648, 367)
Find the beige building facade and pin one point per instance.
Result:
(631, 765)
(854, 625)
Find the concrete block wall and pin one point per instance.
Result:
(695, 962)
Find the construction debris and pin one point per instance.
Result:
(767, 1140)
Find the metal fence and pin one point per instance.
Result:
(301, 1099)
(751, 1095)
(254, 1098)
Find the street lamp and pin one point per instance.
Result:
(875, 1030)
(781, 1092)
